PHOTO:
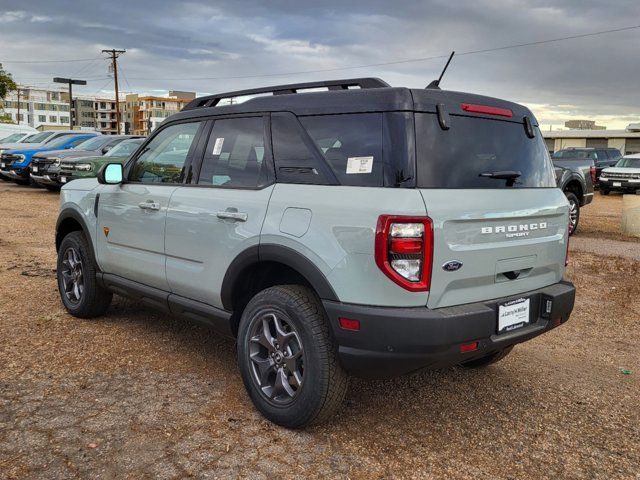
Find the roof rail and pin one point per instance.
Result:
(213, 100)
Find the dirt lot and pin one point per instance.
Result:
(138, 395)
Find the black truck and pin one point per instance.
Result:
(575, 176)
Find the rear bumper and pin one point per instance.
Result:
(393, 341)
(607, 183)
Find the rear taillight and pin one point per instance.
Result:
(592, 170)
(404, 250)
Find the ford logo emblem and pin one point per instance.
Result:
(452, 266)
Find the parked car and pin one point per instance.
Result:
(15, 137)
(602, 157)
(371, 231)
(15, 163)
(45, 166)
(575, 176)
(624, 177)
(7, 129)
(87, 167)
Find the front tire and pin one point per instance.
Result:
(489, 359)
(574, 211)
(288, 359)
(76, 271)
(604, 191)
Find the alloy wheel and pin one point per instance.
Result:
(276, 357)
(72, 276)
(573, 215)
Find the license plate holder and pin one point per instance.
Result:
(513, 315)
(617, 184)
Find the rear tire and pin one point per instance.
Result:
(574, 212)
(76, 271)
(488, 359)
(288, 359)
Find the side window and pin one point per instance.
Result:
(163, 159)
(235, 154)
(351, 145)
(78, 141)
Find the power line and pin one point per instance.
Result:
(52, 61)
(397, 62)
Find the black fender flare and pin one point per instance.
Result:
(70, 213)
(280, 254)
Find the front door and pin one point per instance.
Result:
(220, 214)
(132, 216)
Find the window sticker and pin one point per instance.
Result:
(359, 164)
(217, 147)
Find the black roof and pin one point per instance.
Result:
(371, 95)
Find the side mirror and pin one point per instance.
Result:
(110, 174)
(68, 147)
(106, 149)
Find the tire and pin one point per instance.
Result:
(574, 212)
(80, 293)
(604, 192)
(487, 360)
(306, 357)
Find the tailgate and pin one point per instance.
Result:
(509, 241)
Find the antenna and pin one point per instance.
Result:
(436, 83)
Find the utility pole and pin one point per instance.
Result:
(114, 62)
(70, 82)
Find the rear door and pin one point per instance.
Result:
(132, 216)
(219, 214)
(508, 234)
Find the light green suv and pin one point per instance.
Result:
(360, 230)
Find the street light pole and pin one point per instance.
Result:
(70, 82)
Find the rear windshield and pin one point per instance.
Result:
(575, 154)
(479, 153)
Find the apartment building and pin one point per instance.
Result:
(44, 109)
(84, 115)
(144, 113)
(106, 116)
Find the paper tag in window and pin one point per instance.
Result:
(217, 147)
(359, 164)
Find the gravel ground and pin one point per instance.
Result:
(136, 394)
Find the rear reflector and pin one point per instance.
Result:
(349, 324)
(487, 110)
(468, 347)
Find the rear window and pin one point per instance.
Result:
(473, 149)
(575, 154)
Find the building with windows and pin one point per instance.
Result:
(84, 115)
(627, 141)
(583, 125)
(44, 109)
(142, 114)
(106, 116)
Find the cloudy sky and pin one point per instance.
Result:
(207, 45)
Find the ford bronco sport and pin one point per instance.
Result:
(363, 230)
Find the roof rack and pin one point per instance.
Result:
(213, 100)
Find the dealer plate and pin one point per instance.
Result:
(617, 184)
(63, 179)
(34, 169)
(2, 165)
(513, 315)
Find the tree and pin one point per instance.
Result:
(6, 83)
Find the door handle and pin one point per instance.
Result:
(232, 214)
(150, 205)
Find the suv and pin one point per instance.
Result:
(87, 167)
(15, 163)
(623, 177)
(363, 230)
(45, 166)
